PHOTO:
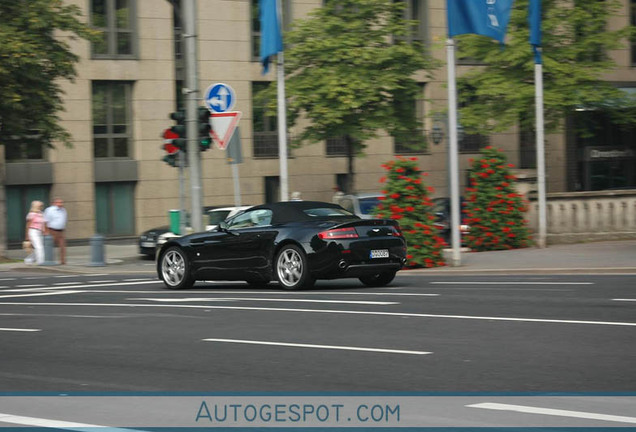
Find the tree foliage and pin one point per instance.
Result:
(348, 66)
(407, 201)
(576, 49)
(494, 210)
(33, 58)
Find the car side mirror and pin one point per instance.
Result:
(223, 226)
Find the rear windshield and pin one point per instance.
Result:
(367, 205)
(327, 212)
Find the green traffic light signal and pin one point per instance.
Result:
(204, 143)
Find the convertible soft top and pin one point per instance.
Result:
(296, 211)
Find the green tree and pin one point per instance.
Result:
(33, 58)
(407, 201)
(576, 46)
(348, 67)
(493, 208)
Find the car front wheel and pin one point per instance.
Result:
(378, 279)
(291, 268)
(174, 269)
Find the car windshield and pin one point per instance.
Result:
(327, 212)
(216, 216)
(368, 205)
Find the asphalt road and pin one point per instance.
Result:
(110, 333)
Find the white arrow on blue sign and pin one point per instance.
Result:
(220, 98)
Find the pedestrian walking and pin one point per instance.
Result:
(56, 217)
(35, 230)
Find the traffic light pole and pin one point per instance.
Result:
(192, 85)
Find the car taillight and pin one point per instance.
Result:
(397, 232)
(338, 233)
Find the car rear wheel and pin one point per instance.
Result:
(378, 279)
(174, 269)
(291, 269)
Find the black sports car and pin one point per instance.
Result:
(292, 242)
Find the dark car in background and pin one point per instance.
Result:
(293, 242)
(442, 212)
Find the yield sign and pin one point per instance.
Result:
(223, 126)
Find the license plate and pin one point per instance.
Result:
(147, 244)
(380, 253)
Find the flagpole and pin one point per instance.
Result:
(453, 154)
(540, 144)
(282, 117)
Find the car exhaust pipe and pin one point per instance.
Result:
(342, 264)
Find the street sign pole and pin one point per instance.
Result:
(182, 205)
(194, 158)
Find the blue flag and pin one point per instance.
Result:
(534, 19)
(483, 17)
(271, 38)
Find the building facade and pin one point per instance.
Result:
(115, 183)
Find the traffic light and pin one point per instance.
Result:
(179, 130)
(171, 159)
(203, 126)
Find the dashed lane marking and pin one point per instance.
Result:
(49, 293)
(624, 300)
(330, 347)
(17, 330)
(554, 412)
(29, 286)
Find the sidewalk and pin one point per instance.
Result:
(598, 257)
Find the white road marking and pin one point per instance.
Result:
(202, 299)
(333, 311)
(332, 347)
(56, 424)
(100, 281)
(625, 300)
(67, 276)
(40, 294)
(136, 280)
(554, 412)
(7, 279)
(509, 283)
(64, 283)
(28, 286)
(80, 285)
(19, 330)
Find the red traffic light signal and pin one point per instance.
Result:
(168, 145)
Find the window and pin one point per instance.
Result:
(527, 142)
(30, 148)
(18, 204)
(115, 19)
(114, 208)
(410, 105)
(255, 218)
(469, 142)
(336, 146)
(111, 119)
(256, 24)
(265, 125)
(415, 10)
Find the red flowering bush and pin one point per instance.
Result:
(406, 200)
(493, 208)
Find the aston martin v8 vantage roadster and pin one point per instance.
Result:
(293, 243)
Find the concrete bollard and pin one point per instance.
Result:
(97, 251)
(49, 259)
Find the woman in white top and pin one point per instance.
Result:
(35, 230)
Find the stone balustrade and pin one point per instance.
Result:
(574, 217)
